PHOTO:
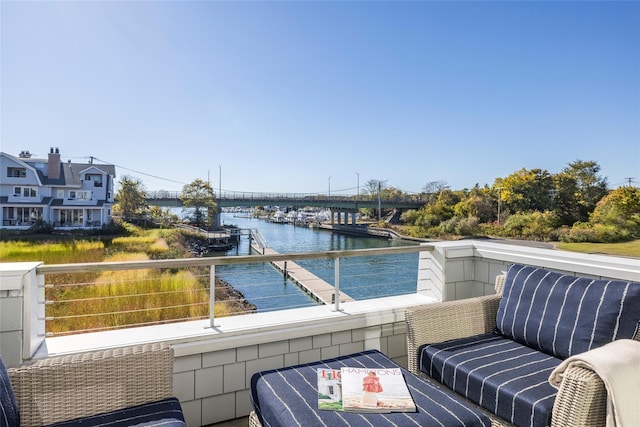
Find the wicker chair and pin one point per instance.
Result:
(581, 398)
(70, 387)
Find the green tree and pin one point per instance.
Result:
(526, 190)
(591, 187)
(391, 193)
(442, 209)
(432, 189)
(199, 196)
(478, 203)
(565, 199)
(620, 208)
(131, 198)
(162, 216)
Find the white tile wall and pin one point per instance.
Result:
(214, 386)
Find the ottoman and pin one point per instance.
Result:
(289, 397)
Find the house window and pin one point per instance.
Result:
(28, 215)
(60, 194)
(79, 195)
(16, 172)
(97, 179)
(8, 213)
(71, 217)
(25, 192)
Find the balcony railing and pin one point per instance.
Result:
(213, 365)
(91, 297)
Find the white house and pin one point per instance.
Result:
(65, 195)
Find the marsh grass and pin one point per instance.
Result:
(80, 302)
(73, 251)
(130, 297)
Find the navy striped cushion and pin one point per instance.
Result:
(504, 377)
(563, 315)
(9, 415)
(289, 397)
(166, 413)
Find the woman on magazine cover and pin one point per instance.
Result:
(371, 387)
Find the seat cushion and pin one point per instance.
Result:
(289, 397)
(499, 374)
(166, 413)
(9, 414)
(564, 315)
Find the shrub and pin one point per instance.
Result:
(533, 225)
(595, 233)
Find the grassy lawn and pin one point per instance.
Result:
(631, 249)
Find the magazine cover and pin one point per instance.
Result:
(329, 389)
(375, 390)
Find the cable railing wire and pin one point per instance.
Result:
(197, 302)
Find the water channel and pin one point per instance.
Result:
(360, 277)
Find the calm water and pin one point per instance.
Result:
(360, 277)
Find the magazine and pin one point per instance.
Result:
(375, 390)
(329, 389)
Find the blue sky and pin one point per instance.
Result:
(280, 96)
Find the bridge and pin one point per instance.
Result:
(338, 202)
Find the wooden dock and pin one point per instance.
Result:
(317, 288)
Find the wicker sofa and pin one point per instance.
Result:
(447, 334)
(120, 387)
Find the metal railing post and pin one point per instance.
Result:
(212, 295)
(336, 275)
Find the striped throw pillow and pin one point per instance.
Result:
(563, 315)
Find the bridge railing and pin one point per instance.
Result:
(282, 198)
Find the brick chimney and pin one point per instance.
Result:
(53, 169)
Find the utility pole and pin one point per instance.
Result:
(379, 203)
(629, 180)
(499, 202)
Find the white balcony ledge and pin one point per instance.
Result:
(237, 331)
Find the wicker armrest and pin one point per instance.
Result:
(432, 323)
(68, 387)
(581, 399)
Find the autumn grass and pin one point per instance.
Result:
(113, 299)
(52, 252)
(130, 297)
(631, 248)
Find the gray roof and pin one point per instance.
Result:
(4, 200)
(69, 172)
